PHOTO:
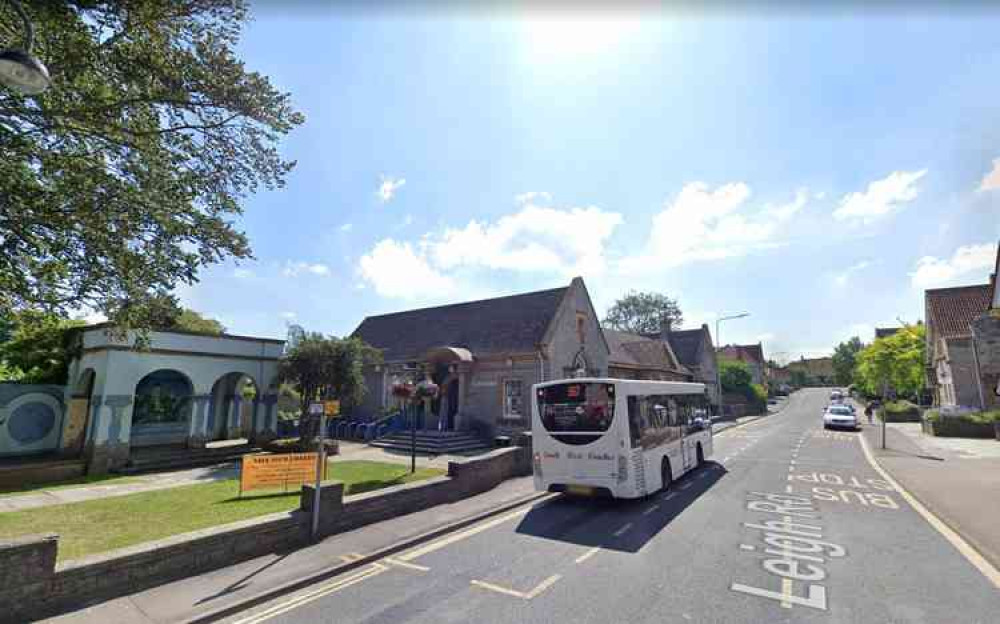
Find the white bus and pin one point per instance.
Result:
(617, 437)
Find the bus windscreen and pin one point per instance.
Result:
(576, 407)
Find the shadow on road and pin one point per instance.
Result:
(594, 521)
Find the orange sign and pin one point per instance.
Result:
(277, 471)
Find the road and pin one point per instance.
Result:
(788, 523)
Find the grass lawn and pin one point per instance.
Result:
(105, 524)
(70, 483)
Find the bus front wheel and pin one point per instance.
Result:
(665, 475)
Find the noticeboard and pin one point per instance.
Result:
(260, 472)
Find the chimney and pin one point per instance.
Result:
(664, 328)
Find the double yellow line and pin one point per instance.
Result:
(365, 573)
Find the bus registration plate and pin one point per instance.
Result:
(580, 490)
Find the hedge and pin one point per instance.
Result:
(971, 425)
(901, 411)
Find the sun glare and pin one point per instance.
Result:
(557, 38)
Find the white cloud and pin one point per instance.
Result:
(388, 187)
(347, 227)
(243, 273)
(288, 316)
(396, 269)
(531, 196)
(841, 279)
(705, 224)
(881, 198)
(294, 269)
(767, 337)
(991, 182)
(932, 271)
(820, 195)
(535, 239)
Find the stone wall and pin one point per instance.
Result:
(961, 361)
(33, 586)
(986, 333)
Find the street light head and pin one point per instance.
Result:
(23, 72)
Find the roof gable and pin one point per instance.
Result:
(951, 310)
(744, 353)
(516, 323)
(639, 351)
(688, 345)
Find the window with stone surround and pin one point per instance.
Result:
(513, 399)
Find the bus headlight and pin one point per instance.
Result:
(622, 468)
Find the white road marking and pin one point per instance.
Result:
(650, 510)
(451, 539)
(587, 555)
(351, 557)
(747, 547)
(622, 530)
(788, 489)
(970, 553)
(406, 564)
(513, 592)
(670, 495)
(686, 485)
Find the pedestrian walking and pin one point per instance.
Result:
(869, 410)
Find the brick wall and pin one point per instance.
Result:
(32, 585)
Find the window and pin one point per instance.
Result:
(653, 420)
(577, 407)
(513, 399)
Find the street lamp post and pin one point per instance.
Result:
(718, 369)
(19, 68)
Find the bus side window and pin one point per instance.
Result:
(634, 421)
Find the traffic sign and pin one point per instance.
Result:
(331, 408)
(316, 408)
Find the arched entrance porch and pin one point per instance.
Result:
(449, 369)
(231, 407)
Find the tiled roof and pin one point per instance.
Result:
(687, 345)
(635, 350)
(951, 310)
(505, 324)
(744, 353)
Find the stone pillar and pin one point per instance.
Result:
(198, 433)
(108, 448)
(271, 413)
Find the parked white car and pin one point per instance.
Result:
(839, 417)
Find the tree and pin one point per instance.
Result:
(326, 368)
(643, 313)
(845, 360)
(39, 349)
(122, 180)
(894, 362)
(735, 376)
(189, 320)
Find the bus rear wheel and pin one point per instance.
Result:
(665, 475)
(700, 455)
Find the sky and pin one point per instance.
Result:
(815, 171)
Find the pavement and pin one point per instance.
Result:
(192, 598)
(958, 479)
(788, 523)
(18, 501)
